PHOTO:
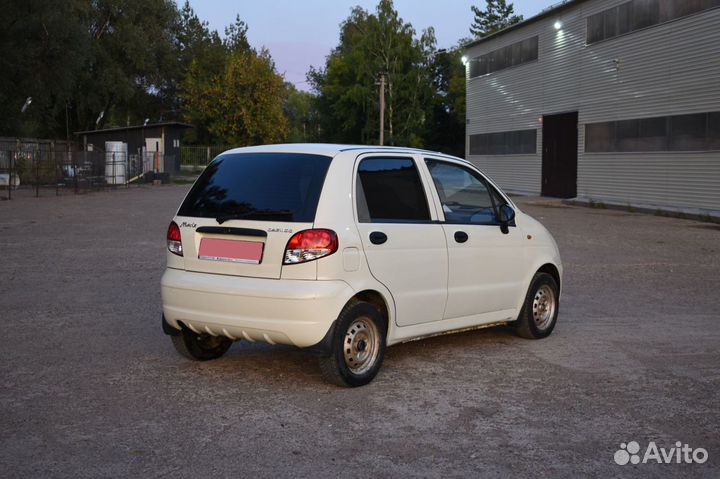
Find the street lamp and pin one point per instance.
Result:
(25, 106)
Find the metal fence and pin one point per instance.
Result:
(42, 169)
(194, 159)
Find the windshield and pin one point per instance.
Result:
(259, 186)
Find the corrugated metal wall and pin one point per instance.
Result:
(667, 69)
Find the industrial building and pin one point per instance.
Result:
(610, 101)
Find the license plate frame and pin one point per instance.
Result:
(231, 251)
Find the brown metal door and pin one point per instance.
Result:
(559, 155)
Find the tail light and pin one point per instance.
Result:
(174, 241)
(309, 245)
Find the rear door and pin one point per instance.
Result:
(404, 245)
(486, 266)
(241, 212)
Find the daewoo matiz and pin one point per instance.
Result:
(346, 250)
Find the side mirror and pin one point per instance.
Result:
(506, 214)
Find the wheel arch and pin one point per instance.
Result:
(553, 271)
(545, 265)
(374, 298)
(378, 301)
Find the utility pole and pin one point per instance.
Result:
(382, 108)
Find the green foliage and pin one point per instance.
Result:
(131, 47)
(496, 16)
(236, 36)
(197, 45)
(445, 128)
(347, 101)
(302, 116)
(137, 59)
(43, 48)
(130, 59)
(79, 58)
(243, 105)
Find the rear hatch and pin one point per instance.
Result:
(241, 212)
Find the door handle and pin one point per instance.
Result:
(378, 237)
(461, 236)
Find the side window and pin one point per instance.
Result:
(464, 194)
(390, 190)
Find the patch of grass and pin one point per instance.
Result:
(706, 218)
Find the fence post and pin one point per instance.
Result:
(68, 161)
(37, 175)
(55, 168)
(17, 152)
(75, 176)
(10, 179)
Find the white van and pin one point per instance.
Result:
(346, 250)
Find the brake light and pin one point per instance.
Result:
(309, 245)
(174, 241)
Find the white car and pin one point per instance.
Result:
(346, 250)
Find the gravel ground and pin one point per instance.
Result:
(90, 386)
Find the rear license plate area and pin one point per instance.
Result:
(233, 251)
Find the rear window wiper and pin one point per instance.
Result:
(253, 213)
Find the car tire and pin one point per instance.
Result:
(200, 347)
(540, 310)
(357, 346)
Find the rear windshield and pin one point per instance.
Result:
(259, 186)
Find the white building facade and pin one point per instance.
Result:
(613, 101)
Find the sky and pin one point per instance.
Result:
(301, 33)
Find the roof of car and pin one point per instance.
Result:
(327, 149)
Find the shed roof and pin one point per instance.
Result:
(136, 127)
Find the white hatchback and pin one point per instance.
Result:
(345, 250)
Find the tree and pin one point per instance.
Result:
(79, 58)
(243, 105)
(43, 48)
(301, 114)
(195, 42)
(230, 92)
(496, 16)
(347, 101)
(131, 48)
(236, 36)
(445, 127)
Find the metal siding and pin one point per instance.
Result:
(667, 69)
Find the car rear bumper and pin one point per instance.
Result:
(276, 311)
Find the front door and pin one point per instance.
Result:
(487, 267)
(559, 155)
(403, 243)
